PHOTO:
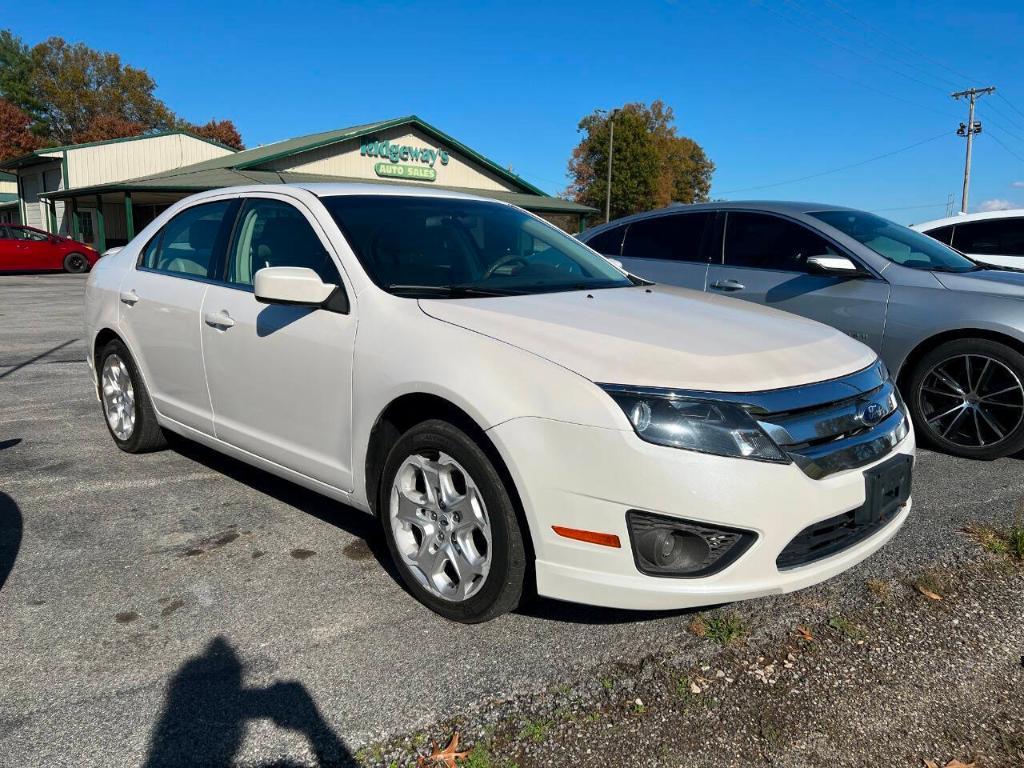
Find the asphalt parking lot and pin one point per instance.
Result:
(181, 607)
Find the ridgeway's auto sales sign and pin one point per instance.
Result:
(404, 161)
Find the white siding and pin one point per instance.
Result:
(344, 160)
(8, 187)
(123, 160)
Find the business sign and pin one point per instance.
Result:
(404, 161)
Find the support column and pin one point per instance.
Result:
(52, 208)
(583, 222)
(101, 230)
(76, 223)
(129, 215)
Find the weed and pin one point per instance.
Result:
(1000, 542)
(727, 629)
(478, 757)
(844, 626)
(607, 683)
(881, 589)
(931, 580)
(535, 730)
(698, 626)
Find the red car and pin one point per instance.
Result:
(25, 249)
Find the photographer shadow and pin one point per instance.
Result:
(208, 706)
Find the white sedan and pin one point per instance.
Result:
(991, 237)
(514, 408)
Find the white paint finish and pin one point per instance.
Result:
(8, 187)
(298, 391)
(1014, 262)
(291, 285)
(32, 188)
(123, 160)
(664, 337)
(344, 159)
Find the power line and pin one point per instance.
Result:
(1000, 143)
(908, 207)
(968, 129)
(862, 43)
(841, 168)
(901, 43)
(1011, 105)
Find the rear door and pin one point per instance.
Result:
(992, 241)
(669, 248)
(161, 300)
(764, 260)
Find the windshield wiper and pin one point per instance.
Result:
(449, 291)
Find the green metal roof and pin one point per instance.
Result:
(7, 176)
(245, 168)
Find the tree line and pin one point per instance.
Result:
(58, 93)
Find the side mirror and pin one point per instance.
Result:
(298, 286)
(833, 265)
(615, 263)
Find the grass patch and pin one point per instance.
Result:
(1009, 541)
(726, 630)
(881, 589)
(535, 730)
(844, 626)
(931, 581)
(607, 683)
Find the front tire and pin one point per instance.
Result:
(76, 263)
(451, 524)
(127, 409)
(967, 399)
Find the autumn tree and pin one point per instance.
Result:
(104, 127)
(223, 131)
(652, 165)
(16, 76)
(16, 138)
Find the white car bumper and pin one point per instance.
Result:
(588, 478)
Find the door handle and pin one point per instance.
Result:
(129, 297)
(220, 319)
(728, 285)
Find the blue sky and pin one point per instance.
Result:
(774, 90)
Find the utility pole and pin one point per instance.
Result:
(611, 154)
(968, 129)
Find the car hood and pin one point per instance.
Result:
(1002, 282)
(662, 336)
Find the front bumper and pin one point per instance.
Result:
(599, 474)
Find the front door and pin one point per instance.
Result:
(160, 304)
(671, 248)
(765, 261)
(280, 377)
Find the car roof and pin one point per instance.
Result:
(334, 189)
(963, 218)
(766, 206)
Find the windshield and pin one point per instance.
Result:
(897, 243)
(451, 248)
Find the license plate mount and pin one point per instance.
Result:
(887, 489)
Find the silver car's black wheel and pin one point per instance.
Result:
(968, 398)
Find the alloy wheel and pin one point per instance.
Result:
(118, 397)
(972, 401)
(440, 525)
(76, 263)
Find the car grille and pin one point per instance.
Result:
(835, 425)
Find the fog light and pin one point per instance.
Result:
(669, 546)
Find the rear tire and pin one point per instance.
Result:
(76, 263)
(448, 518)
(967, 399)
(127, 409)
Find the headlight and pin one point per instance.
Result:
(708, 426)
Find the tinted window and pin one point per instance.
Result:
(676, 237)
(994, 237)
(190, 243)
(450, 247)
(896, 243)
(37, 237)
(943, 234)
(271, 233)
(5, 233)
(608, 242)
(768, 242)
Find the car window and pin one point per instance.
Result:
(271, 233)
(769, 242)
(608, 242)
(37, 237)
(675, 237)
(995, 237)
(190, 243)
(942, 234)
(418, 246)
(17, 233)
(5, 233)
(899, 244)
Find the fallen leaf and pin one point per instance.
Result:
(931, 596)
(805, 634)
(445, 758)
(930, 764)
(954, 763)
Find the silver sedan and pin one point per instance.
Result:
(950, 329)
